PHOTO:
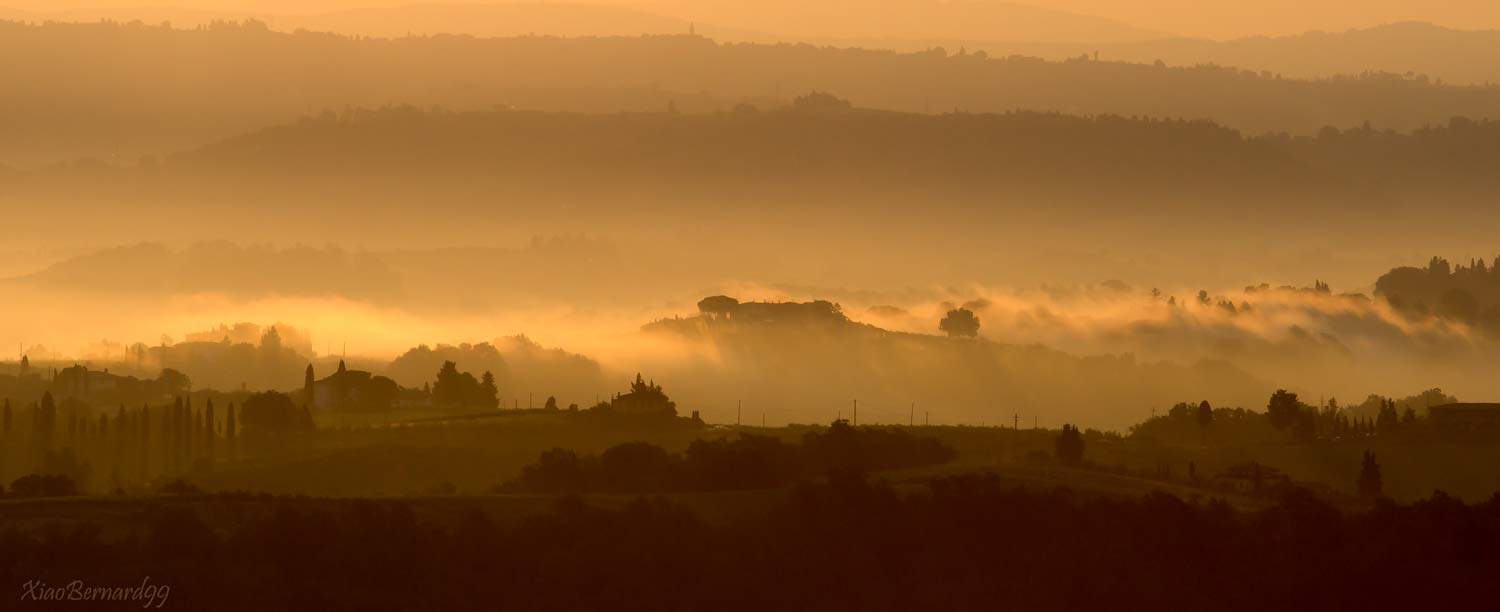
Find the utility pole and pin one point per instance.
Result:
(1033, 421)
(1016, 422)
(926, 418)
(912, 419)
(856, 413)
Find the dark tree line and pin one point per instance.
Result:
(746, 462)
(1286, 414)
(965, 543)
(1470, 294)
(99, 449)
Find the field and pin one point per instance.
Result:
(449, 469)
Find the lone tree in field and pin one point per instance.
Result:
(1369, 477)
(1069, 446)
(489, 391)
(1205, 415)
(1282, 409)
(960, 323)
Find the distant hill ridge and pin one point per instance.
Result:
(120, 103)
(1442, 54)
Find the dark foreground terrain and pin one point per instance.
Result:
(961, 542)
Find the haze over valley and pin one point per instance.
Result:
(817, 304)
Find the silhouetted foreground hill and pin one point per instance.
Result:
(966, 543)
(120, 103)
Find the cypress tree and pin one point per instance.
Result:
(47, 419)
(229, 424)
(189, 424)
(145, 441)
(1369, 483)
(169, 418)
(208, 432)
(229, 431)
(307, 385)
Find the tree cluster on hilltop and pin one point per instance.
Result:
(1468, 294)
(1287, 416)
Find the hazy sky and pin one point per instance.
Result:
(1234, 18)
(1200, 18)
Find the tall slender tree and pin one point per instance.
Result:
(208, 431)
(189, 431)
(1205, 415)
(171, 414)
(1369, 483)
(229, 425)
(47, 418)
(307, 385)
(145, 441)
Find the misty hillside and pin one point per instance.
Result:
(819, 146)
(818, 141)
(576, 270)
(966, 197)
(122, 103)
(907, 19)
(1470, 294)
(221, 267)
(807, 359)
(875, 198)
(1415, 50)
(1441, 54)
(765, 21)
(566, 19)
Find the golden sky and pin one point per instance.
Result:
(1235, 18)
(1199, 18)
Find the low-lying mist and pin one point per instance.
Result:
(1104, 354)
